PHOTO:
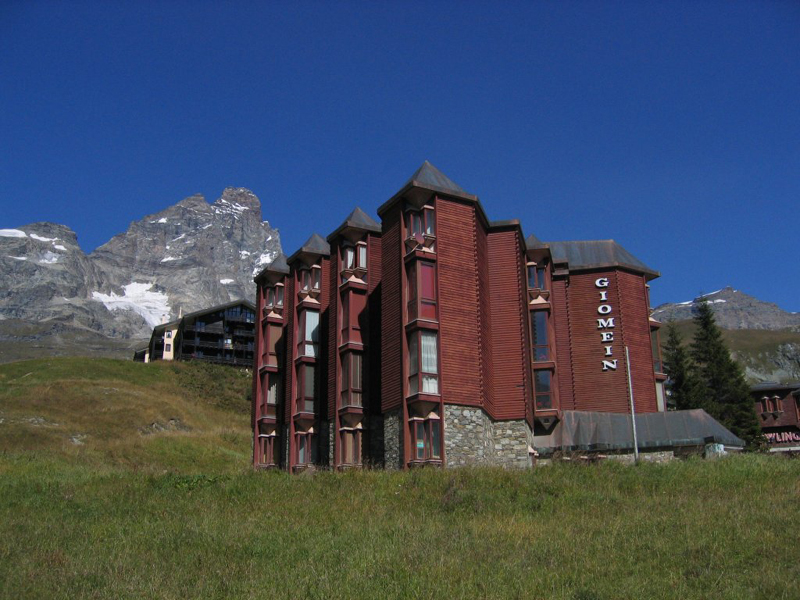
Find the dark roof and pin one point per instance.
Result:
(592, 254)
(205, 311)
(357, 219)
(588, 431)
(431, 177)
(168, 325)
(532, 242)
(316, 244)
(773, 385)
(278, 265)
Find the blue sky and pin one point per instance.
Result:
(672, 127)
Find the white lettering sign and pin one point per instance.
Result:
(608, 323)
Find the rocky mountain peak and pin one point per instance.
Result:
(189, 256)
(733, 309)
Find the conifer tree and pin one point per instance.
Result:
(726, 395)
(684, 385)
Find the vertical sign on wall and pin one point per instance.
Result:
(606, 323)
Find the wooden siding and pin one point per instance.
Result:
(607, 391)
(635, 315)
(459, 337)
(331, 348)
(559, 295)
(289, 327)
(507, 327)
(485, 319)
(372, 356)
(391, 313)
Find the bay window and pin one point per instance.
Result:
(423, 363)
(543, 381)
(269, 394)
(656, 350)
(422, 222)
(306, 452)
(426, 440)
(537, 277)
(273, 333)
(266, 448)
(310, 278)
(539, 336)
(421, 287)
(351, 446)
(274, 296)
(306, 385)
(352, 379)
(309, 338)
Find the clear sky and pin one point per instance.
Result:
(672, 127)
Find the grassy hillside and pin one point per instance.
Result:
(112, 413)
(174, 511)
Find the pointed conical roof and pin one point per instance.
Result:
(533, 242)
(278, 265)
(425, 180)
(359, 220)
(430, 176)
(316, 244)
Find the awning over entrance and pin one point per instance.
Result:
(580, 431)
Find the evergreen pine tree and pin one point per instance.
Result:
(726, 395)
(684, 385)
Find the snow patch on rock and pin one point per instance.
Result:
(42, 239)
(139, 298)
(263, 261)
(15, 233)
(227, 281)
(48, 258)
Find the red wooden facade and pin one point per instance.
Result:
(437, 306)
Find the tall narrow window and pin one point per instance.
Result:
(411, 273)
(349, 257)
(310, 339)
(305, 388)
(274, 333)
(351, 446)
(541, 349)
(426, 439)
(423, 360)
(306, 449)
(362, 256)
(352, 379)
(542, 388)
(427, 291)
(654, 345)
(537, 277)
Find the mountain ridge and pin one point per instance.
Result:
(188, 256)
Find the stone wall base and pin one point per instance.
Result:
(471, 437)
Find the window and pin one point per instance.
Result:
(421, 286)
(168, 348)
(776, 403)
(269, 394)
(309, 340)
(426, 439)
(267, 448)
(423, 359)
(274, 296)
(537, 276)
(310, 278)
(169, 334)
(351, 446)
(349, 258)
(274, 333)
(655, 346)
(362, 255)
(352, 379)
(540, 347)
(542, 387)
(306, 451)
(306, 385)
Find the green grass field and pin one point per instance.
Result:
(98, 502)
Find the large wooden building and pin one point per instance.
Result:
(223, 334)
(778, 408)
(440, 337)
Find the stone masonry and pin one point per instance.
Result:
(472, 438)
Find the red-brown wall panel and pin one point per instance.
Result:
(636, 335)
(507, 326)
(560, 314)
(485, 316)
(391, 313)
(458, 303)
